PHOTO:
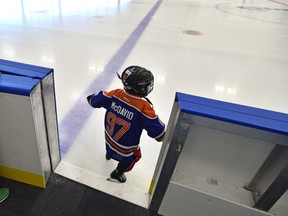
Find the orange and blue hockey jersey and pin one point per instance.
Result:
(126, 117)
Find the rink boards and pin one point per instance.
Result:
(220, 158)
(29, 135)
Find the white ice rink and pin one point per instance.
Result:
(229, 50)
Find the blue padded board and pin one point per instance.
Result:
(20, 78)
(21, 69)
(17, 84)
(234, 113)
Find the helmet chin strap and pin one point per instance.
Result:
(149, 101)
(119, 76)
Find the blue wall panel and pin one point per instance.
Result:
(19, 78)
(239, 114)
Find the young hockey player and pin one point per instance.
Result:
(127, 114)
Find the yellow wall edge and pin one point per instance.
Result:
(23, 176)
(151, 186)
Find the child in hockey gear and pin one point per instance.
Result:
(127, 114)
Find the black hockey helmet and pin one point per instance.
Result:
(137, 80)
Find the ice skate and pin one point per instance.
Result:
(116, 177)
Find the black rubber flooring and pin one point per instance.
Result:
(63, 197)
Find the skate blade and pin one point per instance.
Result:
(114, 180)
